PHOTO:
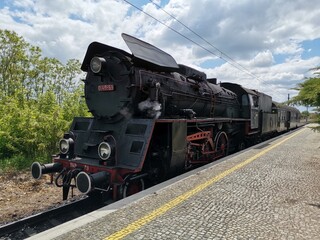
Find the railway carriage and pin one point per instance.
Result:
(287, 117)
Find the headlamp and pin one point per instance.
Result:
(96, 64)
(104, 150)
(64, 145)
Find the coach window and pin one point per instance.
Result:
(244, 100)
(253, 100)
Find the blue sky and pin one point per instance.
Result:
(276, 41)
(311, 47)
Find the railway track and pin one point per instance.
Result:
(40, 222)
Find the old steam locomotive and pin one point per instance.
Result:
(153, 118)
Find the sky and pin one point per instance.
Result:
(269, 46)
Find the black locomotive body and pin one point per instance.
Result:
(152, 119)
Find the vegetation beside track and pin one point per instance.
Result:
(39, 96)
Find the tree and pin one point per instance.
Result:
(39, 96)
(309, 92)
(13, 61)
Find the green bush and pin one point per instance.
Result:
(18, 162)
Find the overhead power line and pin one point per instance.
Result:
(221, 54)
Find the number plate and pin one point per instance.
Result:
(106, 88)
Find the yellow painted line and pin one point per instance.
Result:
(166, 207)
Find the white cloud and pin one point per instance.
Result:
(291, 47)
(64, 29)
(262, 59)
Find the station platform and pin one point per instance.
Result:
(270, 191)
